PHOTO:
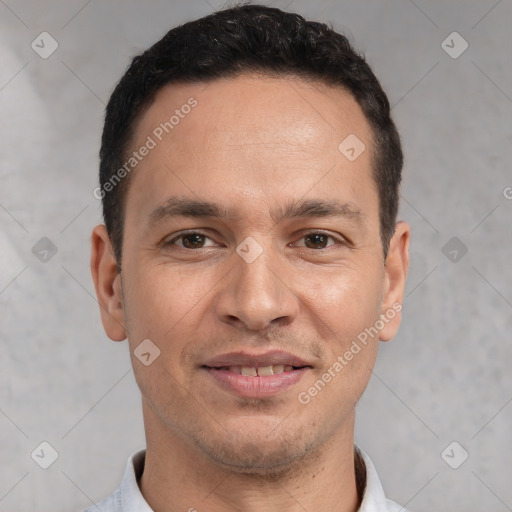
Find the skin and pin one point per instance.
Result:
(252, 144)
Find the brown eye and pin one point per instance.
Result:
(191, 240)
(319, 240)
(316, 241)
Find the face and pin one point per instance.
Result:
(252, 259)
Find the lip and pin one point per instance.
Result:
(260, 386)
(256, 387)
(267, 358)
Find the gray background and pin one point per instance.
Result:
(445, 377)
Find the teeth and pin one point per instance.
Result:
(250, 371)
(265, 370)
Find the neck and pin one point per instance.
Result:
(178, 476)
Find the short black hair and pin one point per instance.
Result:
(241, 39)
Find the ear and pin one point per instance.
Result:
(107, 282)
(397, 264)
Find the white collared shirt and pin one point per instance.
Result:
(128, 498)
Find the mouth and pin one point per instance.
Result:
(258, 371)
(256, 376)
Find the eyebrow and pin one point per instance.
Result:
(183, 207)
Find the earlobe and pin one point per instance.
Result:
(397, 265)
(107, 283)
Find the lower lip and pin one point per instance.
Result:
(256, 387)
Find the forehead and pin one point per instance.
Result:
(251, 137)
(262, 108)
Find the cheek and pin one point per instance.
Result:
(170, 308)
(343, 309)
(161, 305)
(347, 300)
(343, 313)
(162, 297)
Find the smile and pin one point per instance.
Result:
(256, 382)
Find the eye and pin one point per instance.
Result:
(189, 240)
(318, 240)
(197, 240)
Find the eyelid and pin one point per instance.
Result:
(339, 240)
(170, 241)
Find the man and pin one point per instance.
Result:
(249, 176)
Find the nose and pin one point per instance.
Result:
(257, 295)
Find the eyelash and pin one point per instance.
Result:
(188, 233)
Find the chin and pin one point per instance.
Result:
(255, 453)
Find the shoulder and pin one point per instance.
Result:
(395, 507)
(111, 504)
(127, 497)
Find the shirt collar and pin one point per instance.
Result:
(374, 499)
(129, 498)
